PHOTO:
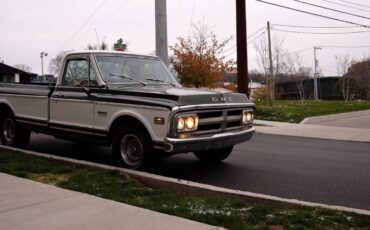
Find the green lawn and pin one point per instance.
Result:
(228, 213)
(295, 111)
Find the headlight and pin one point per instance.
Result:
(247, 117)
(187, 123)
(181, 123)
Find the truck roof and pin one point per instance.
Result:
(110, 52)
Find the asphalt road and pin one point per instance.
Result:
(324, 171)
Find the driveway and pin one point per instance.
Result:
(352, 120)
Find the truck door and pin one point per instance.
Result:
(71, 108)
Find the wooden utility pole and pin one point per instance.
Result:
(241, 44)
(271, 82)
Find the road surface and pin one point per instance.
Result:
(315, 170)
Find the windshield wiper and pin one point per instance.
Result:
(127, 77)
(157, 80)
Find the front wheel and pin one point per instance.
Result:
(11, 134)
(214, 156)
(133, 149)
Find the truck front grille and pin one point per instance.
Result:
(217, 121)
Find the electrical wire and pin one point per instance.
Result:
(300, 51)
(316, 27)
(331, 9)
(351, 7)
(323, 33)
(80, 28)
(256, 37)
(260, 35)
(354, 47)
(318, 15)
(356, 4)
(250, 36)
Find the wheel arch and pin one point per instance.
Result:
(4, 106)
(128, 119)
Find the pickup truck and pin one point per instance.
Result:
(129, 102)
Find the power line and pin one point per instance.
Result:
(111, 14)
(318, 15)
(331, 9)
(317, 27)
(356, 4)
(250, 36)
(81, 27)
(335, 3)
(300, 51)
(257, 37)
(354, 47)
(260, 35)
(323, 33)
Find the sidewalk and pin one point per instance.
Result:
(313, 131)
(25, 204)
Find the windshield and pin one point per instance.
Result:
(121, 69)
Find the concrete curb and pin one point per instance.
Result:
(187, 187)
(319, 119)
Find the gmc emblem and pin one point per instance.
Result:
(222, 99)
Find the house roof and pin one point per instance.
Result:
(6, 69)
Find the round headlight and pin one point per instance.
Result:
(190, 123)
(247, 117)
(181, 124)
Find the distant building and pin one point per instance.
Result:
(46, 78)
(327, 89)
(11, 74)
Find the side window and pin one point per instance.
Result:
(78, 71)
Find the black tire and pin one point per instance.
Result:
(214, 156)
(11, 133)
(132, 148)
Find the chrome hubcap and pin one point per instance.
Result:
(131, 150)
(9, 130)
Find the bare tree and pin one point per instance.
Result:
(23, 67)
(56, 62)
(298, 73)
(102, 46)
(342, 65)
(279, 58)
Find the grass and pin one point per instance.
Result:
(295, 111)
(228, 213)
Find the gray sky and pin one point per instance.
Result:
(28, 27)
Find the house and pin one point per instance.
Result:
(11, 74)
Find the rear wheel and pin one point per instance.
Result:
(11, 133)
(133, 149)
(214, 156)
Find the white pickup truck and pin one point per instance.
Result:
(130, 102)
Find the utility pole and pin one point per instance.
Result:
(241, 44)
(272, 83)
(316, 74)
(161, 30)
(42, 55)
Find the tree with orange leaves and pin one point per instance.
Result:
(198, 59)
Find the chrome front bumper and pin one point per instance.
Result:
(216, 141)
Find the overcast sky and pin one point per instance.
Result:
(28, 27)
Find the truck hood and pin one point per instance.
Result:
(177, 96)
